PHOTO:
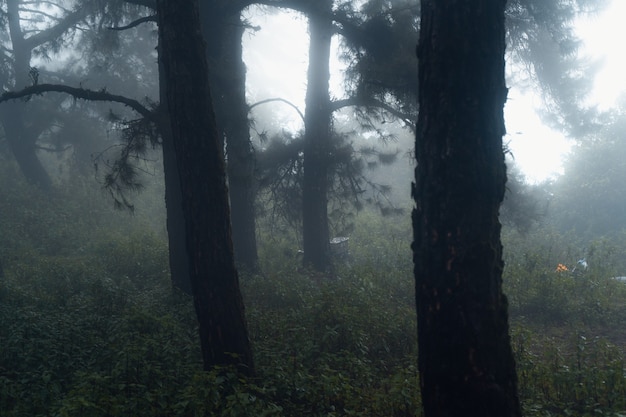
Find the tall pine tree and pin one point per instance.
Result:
(466, 363)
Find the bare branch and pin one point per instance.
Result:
(372, 102)
(80, 93)
(269, 100)
(151, 18)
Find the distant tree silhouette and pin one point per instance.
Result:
(22, 131)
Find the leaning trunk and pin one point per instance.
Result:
(223, 31)
(199, 157)
(466, 364)
(317, 124)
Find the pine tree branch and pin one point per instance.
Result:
(79, 93)
(55, 31)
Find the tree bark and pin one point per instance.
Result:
(175, 217)
(317, 123)
(466, 364)
(199, 157)
(223, 31)
(178, 259)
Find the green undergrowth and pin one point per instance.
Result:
(89, 324)
(105, 336)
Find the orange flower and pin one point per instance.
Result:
(561, 268)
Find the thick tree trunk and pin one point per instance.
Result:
(177, 240)
(199, 157)
(179, 260)
(317, 123)
(223, 31)
(466, 364)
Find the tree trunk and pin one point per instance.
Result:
(223, 31)
(317, 123)
(466, 364)
(179, 260)
(199, 157)
(177, 240)
(22, 144)
(21, 141)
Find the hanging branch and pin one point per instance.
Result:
(79, 93)
(269, 100)
(151, 18)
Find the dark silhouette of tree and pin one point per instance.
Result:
(176, 231)
(199, 157)
(317, 132)
(21, 130)
(324, 23)
(466, 364)
(203, 205)
(223, 30)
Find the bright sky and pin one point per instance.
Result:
(537, 149)
(604, 38)
(280, 71)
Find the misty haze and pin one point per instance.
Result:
(312, 208)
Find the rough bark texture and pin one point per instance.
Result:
(223, 31)
(199, 157)
(465, 360)
(317, 121)
(177, 241)
(176, 237)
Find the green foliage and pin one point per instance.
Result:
(92, 326)
(537, 290)
(342, 344)
(585, 379)
(566, 333)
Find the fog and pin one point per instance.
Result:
(92, 318)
